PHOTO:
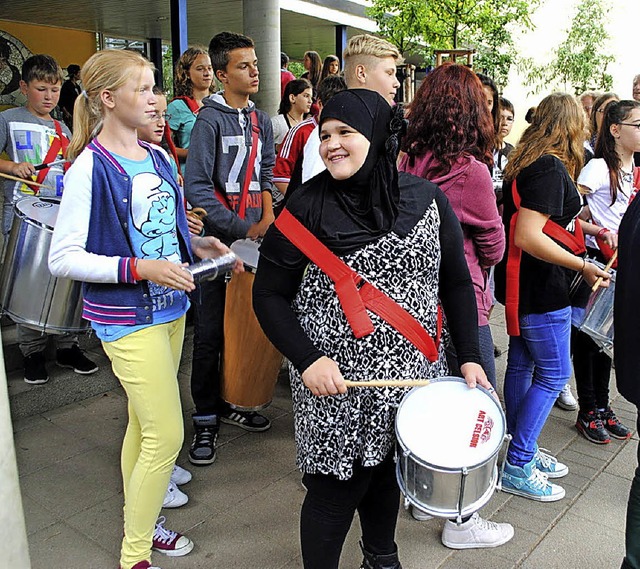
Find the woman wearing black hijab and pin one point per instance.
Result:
(400, 235)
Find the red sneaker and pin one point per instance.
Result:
(170, 542)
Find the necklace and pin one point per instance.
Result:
(627, 176)
(295, 121)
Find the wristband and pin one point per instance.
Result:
(133, 267)
(602, 232)
(584, 264)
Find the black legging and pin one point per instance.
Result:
(329, 507)
(592, 368)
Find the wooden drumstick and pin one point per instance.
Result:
(388, 383)
(594, 288)
(16, 179)
(198, 212)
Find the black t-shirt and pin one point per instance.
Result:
(544, 186)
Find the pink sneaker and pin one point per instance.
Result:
(143, 565)
(170, 542)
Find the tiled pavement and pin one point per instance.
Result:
(243, 510)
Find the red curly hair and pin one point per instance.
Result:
(449, 116)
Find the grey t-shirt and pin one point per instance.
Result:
(27, 138)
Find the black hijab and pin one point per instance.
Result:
(347, 215)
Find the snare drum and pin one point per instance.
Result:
(449, 472)
(29, 293)
(598, 319)
(251, 364)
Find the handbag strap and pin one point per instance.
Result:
(355, 294)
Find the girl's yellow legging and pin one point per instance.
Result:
(146, 363)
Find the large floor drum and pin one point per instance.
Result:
(29, 293)
(449, 437)
(250, 363)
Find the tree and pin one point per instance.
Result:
(401, 22)
(581, 60)
(420, 26)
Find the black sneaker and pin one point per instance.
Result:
(247, 420)
(74, 359)
(613, 425)
(203, 447)
(590, 425)
(35, 371)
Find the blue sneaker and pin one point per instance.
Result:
(529, 482)
(549, 465)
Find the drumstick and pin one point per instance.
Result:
(388, 383)
(198, 212)
(607, 267)
(16, 179)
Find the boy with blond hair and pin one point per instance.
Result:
(370, 63)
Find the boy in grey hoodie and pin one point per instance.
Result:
(238, 201)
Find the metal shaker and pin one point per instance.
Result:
(209, 269)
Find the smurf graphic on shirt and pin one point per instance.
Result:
(153, 215)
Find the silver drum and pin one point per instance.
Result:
(29, 293)
(598, 318)
(452, 472)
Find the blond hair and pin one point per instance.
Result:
(558, 129)
(365, 49)
(105, 70)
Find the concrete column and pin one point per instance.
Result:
(14, 550)
(261, 22)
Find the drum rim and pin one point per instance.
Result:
(24, 217)
(448, 469)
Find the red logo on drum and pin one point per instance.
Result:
(482, 429)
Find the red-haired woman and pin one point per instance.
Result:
(450, 142)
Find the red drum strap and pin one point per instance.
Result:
(357, 295)
(574, 241)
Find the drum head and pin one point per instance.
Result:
(449, 425)
(247, 251)
(43, 211)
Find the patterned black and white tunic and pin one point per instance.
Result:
(332, 433)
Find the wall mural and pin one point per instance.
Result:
(12, 54)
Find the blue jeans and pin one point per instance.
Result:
(538, 367)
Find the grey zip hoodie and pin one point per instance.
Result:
(218, 158)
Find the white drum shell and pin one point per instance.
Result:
(436, 488)
(29, 293)
(247, 251)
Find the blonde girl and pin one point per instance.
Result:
(545, 249)
(122, 231)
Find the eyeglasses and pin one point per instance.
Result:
(634, 124)
(164, 116)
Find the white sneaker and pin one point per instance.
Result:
(566, 400)
(180, 475)
(174, 498)
(475, 533)
(419, 515)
